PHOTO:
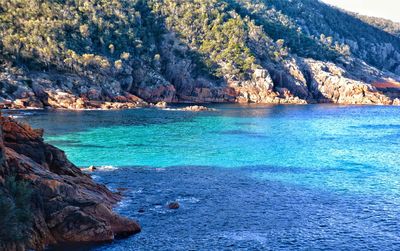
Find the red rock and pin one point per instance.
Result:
(68, 206)
(173, 205)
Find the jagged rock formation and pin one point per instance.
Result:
(66, 206)
(130, 53)
(64, 91)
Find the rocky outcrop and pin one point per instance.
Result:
(197, 108)
(173, 205)
(161, 104)
(67, 205)
(292, 81)
(330, 83)
(36, 90)
(303, 81)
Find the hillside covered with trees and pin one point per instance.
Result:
(68, 53)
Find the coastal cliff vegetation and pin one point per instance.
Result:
(16, 216)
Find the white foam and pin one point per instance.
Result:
(20, 115)
(124, 203)
(171, 109)
(140, 190)
(158, 209)
(189, 199)
(261, 238)
(16, 116)
(106, 168)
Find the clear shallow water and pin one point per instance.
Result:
(256, 177)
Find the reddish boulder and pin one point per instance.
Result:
(173, 205)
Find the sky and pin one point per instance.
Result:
(389, 9)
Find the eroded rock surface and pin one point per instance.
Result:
(294, 80)
(21, 90)
(67, 205)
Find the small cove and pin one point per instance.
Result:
(247, 177)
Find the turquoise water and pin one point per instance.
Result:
(248, 177)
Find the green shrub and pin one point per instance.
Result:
(12, 88)
(15, 211)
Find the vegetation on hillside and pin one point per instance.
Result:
(345, 32)
(72, 35)
(381, 23)
(104, 36)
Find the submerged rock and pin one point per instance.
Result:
(173, 205)
(67, 206)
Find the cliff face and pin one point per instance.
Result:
(130, 53)
(294, 80)
(66, 205)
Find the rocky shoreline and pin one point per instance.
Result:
(296, 81)
(65, 206)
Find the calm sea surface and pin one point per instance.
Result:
(316, 177)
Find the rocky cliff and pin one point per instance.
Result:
(64, 206)
(130, 53)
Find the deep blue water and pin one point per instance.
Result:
(317, 177)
